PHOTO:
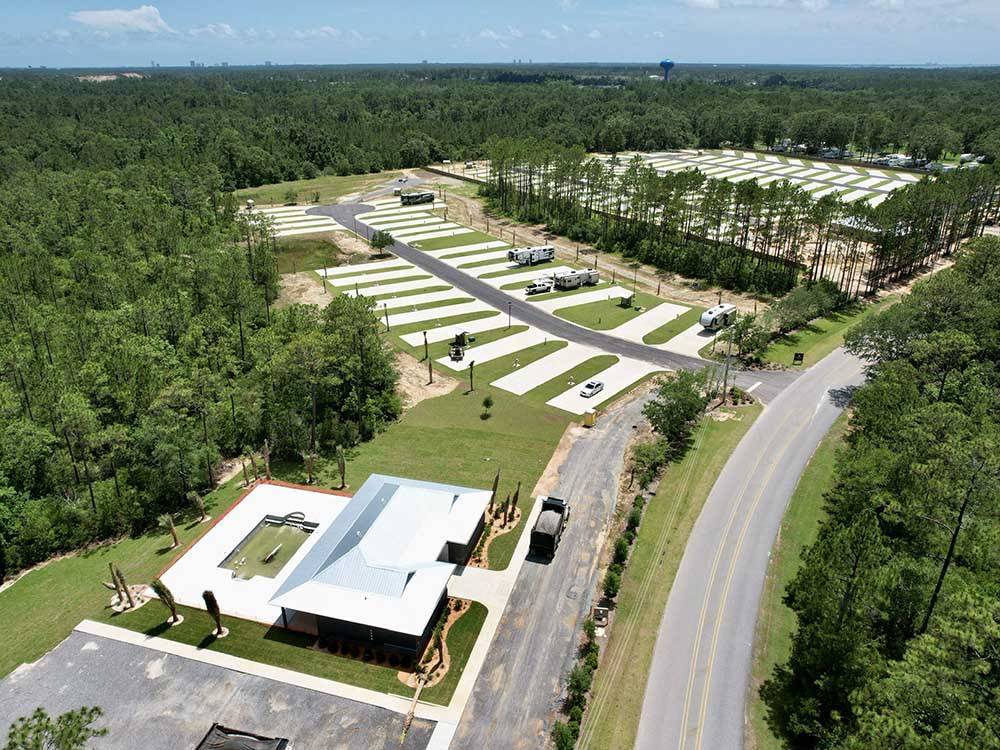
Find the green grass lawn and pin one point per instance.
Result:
(307, 254)
(376, 282)
(664, 333)
(823, 335)
(462, 637)
(47, 603)
(775, 621)
(613, 715)
(458, 240)
(607, 314)
(267, 645)
(329, 187)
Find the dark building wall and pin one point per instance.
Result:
(459, 554)
(379, 638)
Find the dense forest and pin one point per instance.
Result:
(898, 601)
(139, 346)
(267, 125)
(739, 235)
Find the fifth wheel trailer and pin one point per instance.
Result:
(529, 256)
(719, 316)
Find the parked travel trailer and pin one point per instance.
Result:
(529, 256)
(412, 199)
(576, 279)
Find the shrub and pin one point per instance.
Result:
(612, 584)
(634, 518)
(621, 549)
(563, 736)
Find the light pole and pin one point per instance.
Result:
(426, 356)
(385, 307)
(472, 382)
(508, 314)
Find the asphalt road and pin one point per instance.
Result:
(521, 683)
(771, 383)
(697, 689)
(157, 701)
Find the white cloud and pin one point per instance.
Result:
(710, 4)
(514, 33)
(218, 31)
(567, 4)
(319, 32)
(145, 18)
(567, 29)
(887, 4)
(659, 34)
(815, 5)
(547, 34)
(594, 34)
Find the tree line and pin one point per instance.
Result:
(140, 346)
(738, 235)
(897, 601)
(264, 126)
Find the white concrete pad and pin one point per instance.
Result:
(855, 195)
(465, 260)
(616, 379)
(415, 222)
(825, 191)
(373, 267)
(408, 302)
(583, 298)
(492, 268)
(200, 567)
(499, 348)
(396, 288)
(437, 313)
(405, 234)
(438, 234)
(878, 199)
(423, 208)
(646, 322)
(469, 248)
(447, 332)
(306, 230)
(364, 278)
(689, 341)
(542, 370)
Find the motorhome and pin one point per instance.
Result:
(719, 316)
(412, 199)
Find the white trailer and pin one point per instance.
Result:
(719, 316)
(529, 256)
(576, 279)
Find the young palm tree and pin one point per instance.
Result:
(214, 612)
(124, 587)
(167, 522)
(342, 466)
(493, 492)
(199, 503)
(165, 596)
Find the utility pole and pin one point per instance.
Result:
(472, 382)
(425, 345)
(508, 314)
(385, 307)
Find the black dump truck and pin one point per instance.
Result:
(549, 527)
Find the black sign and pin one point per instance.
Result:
(798, 358)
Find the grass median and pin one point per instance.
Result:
(608, 314)
(776, 622)
(612, 717)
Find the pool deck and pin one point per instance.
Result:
(200, 567)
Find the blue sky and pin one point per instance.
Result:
(99, 33)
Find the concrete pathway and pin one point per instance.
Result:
(382, 275)
(399, 286)
(437, 313)
(689, 342)
(617, 378)
(542, 370)
(648, 321)
(448, 332)
(499, 348)
(374, 267)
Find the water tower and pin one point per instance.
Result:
(667, 66)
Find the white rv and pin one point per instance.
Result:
(719, 316)
(529, 256)
(576, 279)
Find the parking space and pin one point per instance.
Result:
(617, 378)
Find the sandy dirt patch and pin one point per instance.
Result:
(304, 287)
(413, 385)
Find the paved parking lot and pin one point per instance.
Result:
(157, 701)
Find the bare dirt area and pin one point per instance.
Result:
(471, 212)
(413, 385)
(303, 287)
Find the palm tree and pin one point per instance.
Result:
(493, 492)
(167, 522)
(164, 594)
(124, 587)
(214, 612)
(342, 466)
(199, 503)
